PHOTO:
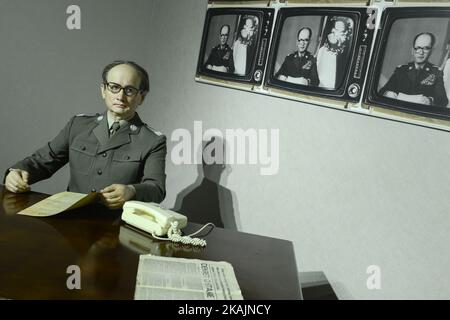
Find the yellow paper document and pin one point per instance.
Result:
(58, 203)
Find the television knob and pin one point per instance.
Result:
(353, 90)
(257, 75)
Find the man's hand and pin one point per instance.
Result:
(115, 195)
(298, 80)
(220, 68)
(425, 100)
(390, 94)
(415, 98)
(303, 81)
(17, 181)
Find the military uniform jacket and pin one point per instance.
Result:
(296, 66)
(135, 155)
(427, 81)
(221, 57)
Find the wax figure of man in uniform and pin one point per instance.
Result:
(300, 67)
(221, 56)
(113, 153)
(418, 81)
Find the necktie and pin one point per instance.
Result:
(114, 128)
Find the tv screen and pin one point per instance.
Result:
(321, 51)
(235, 43)
(411, 68)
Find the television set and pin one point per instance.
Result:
(321, 53)
(410, 69)
(235, 45)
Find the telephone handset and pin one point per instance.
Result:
(151, 217)
(159, 221)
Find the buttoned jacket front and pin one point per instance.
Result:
(135, 155)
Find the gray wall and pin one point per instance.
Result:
(352, 190)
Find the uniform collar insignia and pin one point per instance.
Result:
(136, 120)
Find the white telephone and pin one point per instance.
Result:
(151, 217)
(159, 221)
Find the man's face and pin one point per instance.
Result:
(223, 37)
(248, 29)
(422, 49)
(118, 103)
(303, 40)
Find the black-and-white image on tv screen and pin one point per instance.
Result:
(235, 44)
(321, 51)
(412, 65)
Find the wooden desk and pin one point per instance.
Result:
(36, 252)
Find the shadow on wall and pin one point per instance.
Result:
(315, 286)
(206, 200)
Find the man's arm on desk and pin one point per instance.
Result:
(41, 165)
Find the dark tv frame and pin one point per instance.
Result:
(358, 61)
(372, 98)
(256, 73)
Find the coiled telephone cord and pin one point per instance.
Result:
(174, 234)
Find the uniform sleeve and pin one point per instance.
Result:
(209, 58)
(282, 70)
(152, 187)
(391, 85)
(314, 81)
(440, 97)
(44, 162)
(230, 66)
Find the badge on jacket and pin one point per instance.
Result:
(307, 65)
(429, 81)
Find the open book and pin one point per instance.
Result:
(58, 203)
(167, 278)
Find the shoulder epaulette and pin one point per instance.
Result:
(432, 66)
(86, 115)
(158, 133)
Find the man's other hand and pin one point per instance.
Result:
(391, 94)
(298, 80)
(220, 68)
(17, 181)
(115, 195)
(425, 100)
(415, 98)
